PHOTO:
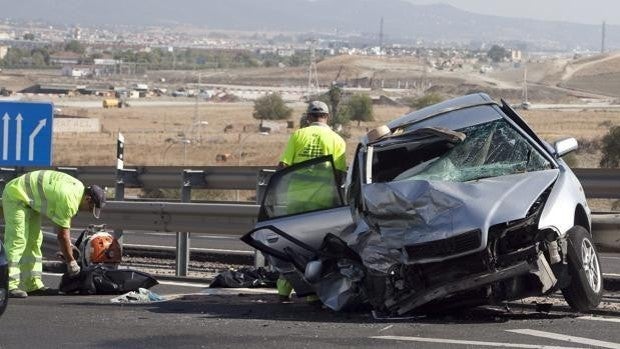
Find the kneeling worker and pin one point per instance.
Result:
(56, 195)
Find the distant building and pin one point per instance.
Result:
(516, 55)
(4, 50)
(65, 57)
(286, 52)
(76, 71)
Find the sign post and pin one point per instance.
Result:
(119, 191)
(26, 133)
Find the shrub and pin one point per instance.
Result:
(610, 145)
(271, 107)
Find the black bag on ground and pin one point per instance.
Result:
(96, 279)
(245, 277)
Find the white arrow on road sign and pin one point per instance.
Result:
(34, 133)
(5, 138)
(18, 141)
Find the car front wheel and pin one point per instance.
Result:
(586, 287)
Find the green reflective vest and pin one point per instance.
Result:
(54, 194)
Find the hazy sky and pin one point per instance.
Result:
(578, 11)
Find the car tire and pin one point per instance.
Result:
(586, 286)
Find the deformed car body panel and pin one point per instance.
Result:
(561, 215)
(414, 212)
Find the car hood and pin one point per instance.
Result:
(418, 211)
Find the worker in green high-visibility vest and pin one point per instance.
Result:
(55, 195)
(312, 189)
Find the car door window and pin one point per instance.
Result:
(304, 187)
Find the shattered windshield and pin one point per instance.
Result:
(490, 149)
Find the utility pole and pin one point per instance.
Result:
(525, 85)
(381, 36)
(603, 37)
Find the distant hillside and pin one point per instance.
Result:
(402, 20)
(598, 76)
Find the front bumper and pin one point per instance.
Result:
(539, 268)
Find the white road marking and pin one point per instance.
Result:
(608, 257)
(469, 343)
(572, 339)
(386, 328)
(598, 318)
(611, 274)
(179, 283)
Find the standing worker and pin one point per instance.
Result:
(56, 195)
(315, 140)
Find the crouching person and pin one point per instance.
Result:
(57, 196)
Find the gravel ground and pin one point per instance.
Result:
(166, 267)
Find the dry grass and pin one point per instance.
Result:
(148, 132)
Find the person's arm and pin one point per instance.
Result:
(64, 242)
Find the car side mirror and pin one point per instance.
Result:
(565, 146)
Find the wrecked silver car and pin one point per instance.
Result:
(455, 205)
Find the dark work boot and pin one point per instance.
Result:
(17, 293)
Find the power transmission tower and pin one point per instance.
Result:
(313, 77)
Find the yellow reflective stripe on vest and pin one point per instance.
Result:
(36, 196)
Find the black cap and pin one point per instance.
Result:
(97, 195)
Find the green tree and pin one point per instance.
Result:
(74, 46)
(497, 53)
(271, 107)
(332, 98)
(28, 36)
(360, 108)
(424, 101)
(342, 117)
(611, 148)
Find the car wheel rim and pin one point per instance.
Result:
(590, 265)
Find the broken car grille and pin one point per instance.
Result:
(440, 248)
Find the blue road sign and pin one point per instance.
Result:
(26, 133)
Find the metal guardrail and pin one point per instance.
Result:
(220, 218)
(597, 182)
(235, 218)
(155, 177)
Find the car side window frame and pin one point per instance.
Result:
(263, 215)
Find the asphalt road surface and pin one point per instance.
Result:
(234, 318)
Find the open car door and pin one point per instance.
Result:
(302, 203)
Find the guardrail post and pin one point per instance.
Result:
(190, 179)
(124, 177)
(262, 180)
(182, 261)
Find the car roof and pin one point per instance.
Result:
(442, 108)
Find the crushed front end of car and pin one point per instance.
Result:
(427, 246)
(459, 204)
